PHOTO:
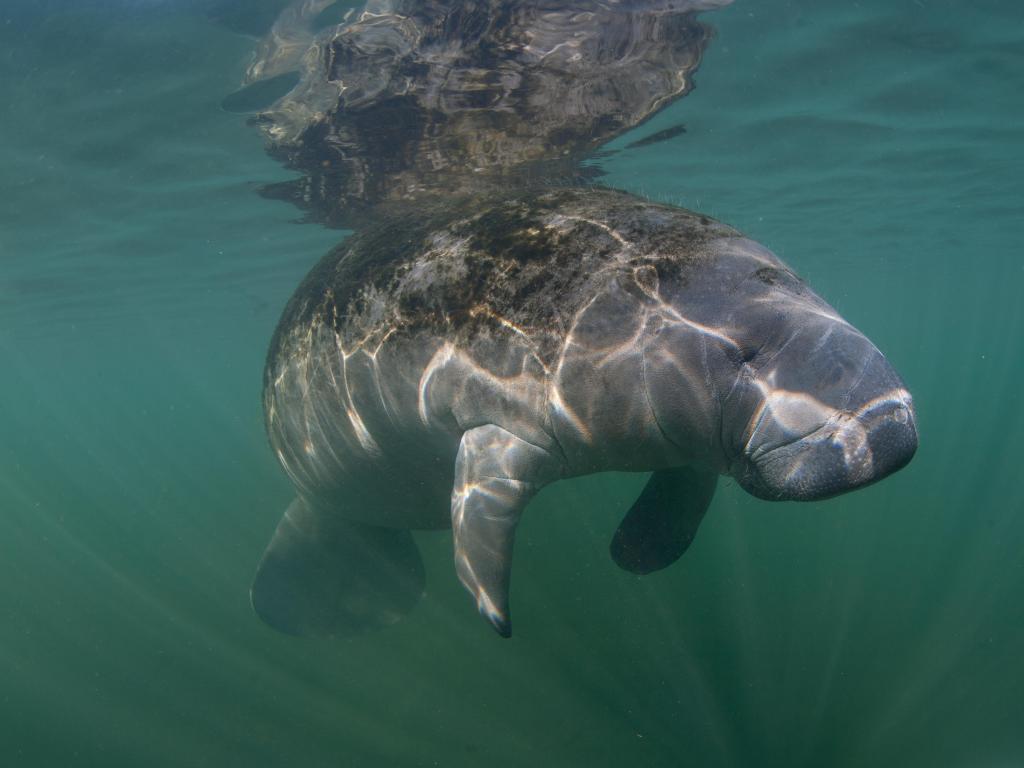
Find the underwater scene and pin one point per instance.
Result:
(485, 383)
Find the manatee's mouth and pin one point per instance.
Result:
(850, 450)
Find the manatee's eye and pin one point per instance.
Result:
(743, 354)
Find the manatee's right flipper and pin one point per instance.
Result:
(663, 521)
(328, 577)
(496, 474)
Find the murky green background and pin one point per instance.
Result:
(876, 146)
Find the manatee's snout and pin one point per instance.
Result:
(831, 418)
(849, 451)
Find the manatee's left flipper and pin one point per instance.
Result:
(496, 474)
(663, 521)
(328, 577)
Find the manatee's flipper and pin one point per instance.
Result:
(327, 577)
(496, 474)
(663, 520)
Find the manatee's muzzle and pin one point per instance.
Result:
(848, 451)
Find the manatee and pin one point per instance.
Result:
(443, 371)
(498, 321)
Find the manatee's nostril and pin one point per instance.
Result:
(901, 415)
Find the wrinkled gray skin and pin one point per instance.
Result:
(444, 371)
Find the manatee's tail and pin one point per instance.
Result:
(420, 98)
(326, 577)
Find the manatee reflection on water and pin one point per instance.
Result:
(412, 97)
(496, 324)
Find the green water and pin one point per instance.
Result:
(875, 146)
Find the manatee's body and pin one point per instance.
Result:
(439, 370)
(404, 338)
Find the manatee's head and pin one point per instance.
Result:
(807, 406)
